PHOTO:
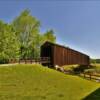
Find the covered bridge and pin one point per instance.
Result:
(61, 55)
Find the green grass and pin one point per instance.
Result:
(94, 95)
(35, 82)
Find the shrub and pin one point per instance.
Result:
(76, 69)
(70, 68)
(89, 70)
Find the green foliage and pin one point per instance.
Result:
(35, 82)
(75, 69)
(49, 36)
(27, 30)
(70, 68)
(90, 71)
(8, 43)
(22, 37)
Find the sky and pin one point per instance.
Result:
(76, 23)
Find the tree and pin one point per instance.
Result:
(8, 43)
(49, 36)
(22, 37)
(28, 34)
(27, 30)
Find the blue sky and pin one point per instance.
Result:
(76, 23)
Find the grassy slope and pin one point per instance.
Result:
(34, 82)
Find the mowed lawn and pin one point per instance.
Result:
(35, 82)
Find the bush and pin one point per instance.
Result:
(76, 69)
(89, 70)
(70, 68)
(80, 68)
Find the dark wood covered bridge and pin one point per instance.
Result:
(61, 55)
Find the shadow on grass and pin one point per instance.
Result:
(94, 95)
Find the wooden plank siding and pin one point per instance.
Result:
(60, 55)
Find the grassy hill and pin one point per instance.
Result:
(35, 82)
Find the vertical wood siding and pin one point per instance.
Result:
(61, 55)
